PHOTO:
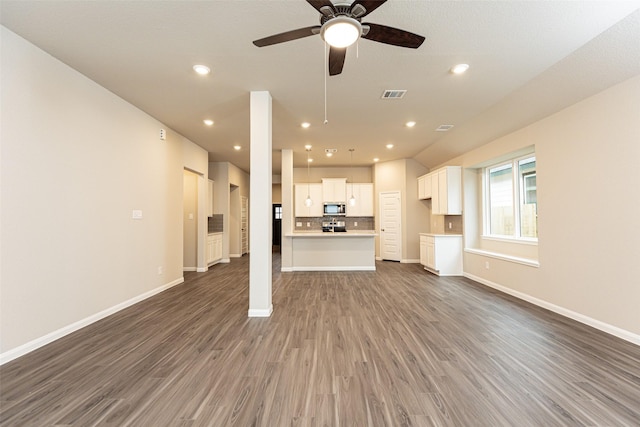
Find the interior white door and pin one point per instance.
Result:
(244, 224)
(390, 226)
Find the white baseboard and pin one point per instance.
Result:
(225, 260)
(264, 312)
(201, 270)
(189, 269)
(14, 353)
(594, 323)
(410, 261)
(286, 269)
(235, 255)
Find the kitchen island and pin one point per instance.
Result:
(333, 251)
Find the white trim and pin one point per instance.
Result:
(266, 312)
(335, 268)
(518, 260)
(410, 261)
(66, 330)
(235, 255)
(189, 269)
(202, 270)
(378, 258)
(225, 260)
(594, 323)
(519, 240)
(286, 269)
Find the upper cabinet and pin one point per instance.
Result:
(424, 187)
(334, 189)
(210, 198)
(301, 192)
(363, 193)
(444, 187)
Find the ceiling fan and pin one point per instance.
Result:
(340, 26)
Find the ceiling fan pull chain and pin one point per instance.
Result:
(325, 71)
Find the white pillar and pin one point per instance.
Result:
(260, 207)
(287, 209)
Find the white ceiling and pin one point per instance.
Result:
(528, 59)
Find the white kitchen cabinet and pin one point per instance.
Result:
(441, 253)
(334, 190)
(363, 193)
(424, 187)
(301, 192)
(214, 248)
(210, 198)
(446, 191)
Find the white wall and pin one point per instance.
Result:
(588, 158)
(355, 174)
(76, 160)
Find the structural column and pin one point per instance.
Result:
(260, 242)
(286, 182)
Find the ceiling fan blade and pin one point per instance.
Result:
(336, 60)
(369, 5)
(287, 36)
(319, 4)
(393, 36)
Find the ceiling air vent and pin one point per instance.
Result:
(443, 128)
(393, 94)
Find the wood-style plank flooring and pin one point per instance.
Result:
(395, 347)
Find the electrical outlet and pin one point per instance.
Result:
(136, 214)
(449, 226)
(308, 224)
(486, 265)
(160, 270)
(298, 224)
(355, 223)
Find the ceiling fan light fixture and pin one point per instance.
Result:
(341, 31)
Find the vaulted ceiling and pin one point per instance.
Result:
(528, 59)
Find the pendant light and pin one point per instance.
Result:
(308, 202)
(352, 200)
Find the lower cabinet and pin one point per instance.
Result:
(214, 248)
(441, 254)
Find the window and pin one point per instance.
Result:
(278, 212)
(511, 203)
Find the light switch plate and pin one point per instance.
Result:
(136, 214)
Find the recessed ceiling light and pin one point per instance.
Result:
(203, 70)
(310, 160)
(208, 122)
(307, 147)
(329, 154)
(410, 124)
(305, 124)
(237, 147)
(375, 159)
(389, 146)
(460, 68)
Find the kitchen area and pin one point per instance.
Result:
(334, 226)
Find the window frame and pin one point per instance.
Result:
(517, 197)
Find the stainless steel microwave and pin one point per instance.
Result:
(335, 209)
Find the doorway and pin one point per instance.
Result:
(390, 226)
(276, 215)
(189, 221)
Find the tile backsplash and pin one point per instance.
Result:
(315, 223)
(215, 223)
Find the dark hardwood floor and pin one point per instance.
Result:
(395, 347)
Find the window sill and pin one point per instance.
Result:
(520, 241)
(518, 260)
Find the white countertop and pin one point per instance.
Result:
(352, 233)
